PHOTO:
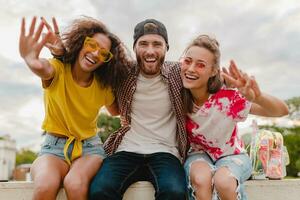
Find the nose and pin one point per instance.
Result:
(96, 52)
(191, 67)
(150, 49)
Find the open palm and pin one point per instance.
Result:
(54, 42)
(29, 45)
(247, 85)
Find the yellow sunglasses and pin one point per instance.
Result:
(90, 44)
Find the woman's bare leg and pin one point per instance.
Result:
(47, 172)
(78, 179)
(225, 184)
(201, 180)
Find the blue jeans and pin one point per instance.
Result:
(122, 169)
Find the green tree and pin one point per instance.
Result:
(292, 142)
(294, 107)
(25, 156)
(294, 102)
(107, 125)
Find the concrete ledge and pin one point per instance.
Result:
(287, 189)
(256, 189)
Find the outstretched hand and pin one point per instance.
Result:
(54, 42)
(247, 85)
(29, 45)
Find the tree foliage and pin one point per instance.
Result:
(25, 156)
(295, 101)
(294, 107)
(107, 125)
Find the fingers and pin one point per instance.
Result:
(230, 81)
(234, 70)
(247, 89)
(55, 26)
(255, 87)
(47, 24)
(43, 42)
(39, 31)
(248, 83)
(23, 27)
(224, 70)
(49, 46)
(223, 73)
(32, 26)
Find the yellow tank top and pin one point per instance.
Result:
(72, 110)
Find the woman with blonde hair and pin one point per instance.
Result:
(217, 160)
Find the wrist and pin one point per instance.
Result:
(58, 53)
(258, 99)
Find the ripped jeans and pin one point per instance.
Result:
(239, 165)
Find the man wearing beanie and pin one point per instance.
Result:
(152, 143)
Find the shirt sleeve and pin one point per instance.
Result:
(58, 65)
(239, 106)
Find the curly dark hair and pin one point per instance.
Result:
(110, 74)
(214, 83)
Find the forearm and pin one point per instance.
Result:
(41, 68)
(113, 109)
(269, 106)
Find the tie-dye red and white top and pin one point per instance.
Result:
(212, 127)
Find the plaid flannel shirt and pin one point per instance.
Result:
(170, 72)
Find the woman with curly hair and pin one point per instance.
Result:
(95, 62)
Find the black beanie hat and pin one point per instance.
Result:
(154, 27)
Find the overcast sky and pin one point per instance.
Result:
(263, 37)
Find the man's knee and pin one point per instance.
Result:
(173, 191)
(103, 188)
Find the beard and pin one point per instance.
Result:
(147, 70)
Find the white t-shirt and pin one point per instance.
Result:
(212, 127)
(153, 122)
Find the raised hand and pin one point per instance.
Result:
(54, 42)
(29, 45)
(247, 85)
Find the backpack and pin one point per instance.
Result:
(268, 154)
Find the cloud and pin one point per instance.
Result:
(262, 37)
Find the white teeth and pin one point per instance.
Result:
(189, 76)
(90, 60)
(150, 59)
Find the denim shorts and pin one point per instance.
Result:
(239, 165)
(55, 145)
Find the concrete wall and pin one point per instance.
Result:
(7, 157)
(257, 190)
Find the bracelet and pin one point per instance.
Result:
(59, 57)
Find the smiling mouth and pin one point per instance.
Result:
(150, 60)
(191, 77)
(90, 60)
